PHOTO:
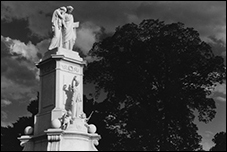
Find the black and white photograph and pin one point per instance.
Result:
(113, 75)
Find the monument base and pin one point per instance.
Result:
(61, 140)
(59, 68)
(56, 52)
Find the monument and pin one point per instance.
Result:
(61, 124)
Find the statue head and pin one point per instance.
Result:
(76, 82)
(63, 8)
(69, 9)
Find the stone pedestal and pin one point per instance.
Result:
(58, 68)
(59, 140)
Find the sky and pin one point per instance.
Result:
(26, 34)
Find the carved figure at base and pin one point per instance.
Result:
(66, 120)
(91, 128)
(84, 117)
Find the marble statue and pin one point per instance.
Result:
(76, 103)
(84, 117)
(57, 25)
(66, 120)
(61, 124)
(69, 31)
(64, 28)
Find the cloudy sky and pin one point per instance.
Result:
(25, 36)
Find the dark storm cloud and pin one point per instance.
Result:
(207, 17)
(4, 49)
(34, 22)
(18, 49)
(17, 61)
(34, 14)
(107, 14)
(25, 20)
(19, 81)
(183, 11)
(18, 29)
(5, 102)
(4, 116)
(18, 73)
(218, 48)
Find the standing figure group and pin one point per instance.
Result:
(64, 28)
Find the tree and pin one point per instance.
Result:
(220, 142)
(33, 107)
(156, 76)
(9, 135)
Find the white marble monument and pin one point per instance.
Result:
(61, 124)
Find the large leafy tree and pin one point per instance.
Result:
(220, 142)
(156, 76)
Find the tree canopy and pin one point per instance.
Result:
(220, 142)
(10, 135)
(156, 75)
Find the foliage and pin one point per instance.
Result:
(10, 135)
(33, 106)
(156, 76)
(220, 142)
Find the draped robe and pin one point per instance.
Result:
(69, 32)
(57, 23)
